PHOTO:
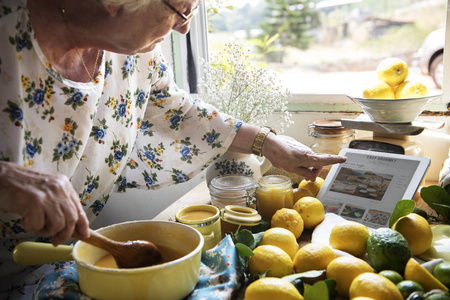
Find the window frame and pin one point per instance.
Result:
(297, 102)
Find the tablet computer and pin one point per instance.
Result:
(367, 187)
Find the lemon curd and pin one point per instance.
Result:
(196, 215)
(168, 254)
(273, 193)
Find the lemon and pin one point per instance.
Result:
(344, 269)
(289, 219)
(375, 286)
(416, 230)
(410, 89)
(415, 272)
(270, 257)
(312, 186)
(281, 238)
(407, 287)
(311, 210)
(270, 288)
(378, 90)
(351, 237)
(392, 70)
(442, 272)
(392, 275)
(313, 256)
(300, 193)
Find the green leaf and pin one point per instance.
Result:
(308, 274)
(318, 291)
(258, 236)
(243, 250)
(403, 208)
(245, 237)
(438, 199)
(332, 292)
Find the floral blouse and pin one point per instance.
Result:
(130, 128)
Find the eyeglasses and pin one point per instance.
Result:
(186, 18)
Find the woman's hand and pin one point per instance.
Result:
(290, 156)
(297, 158)
(47, 203)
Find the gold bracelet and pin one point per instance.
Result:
(260, 138)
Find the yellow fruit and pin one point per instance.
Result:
(300, 193)
(351, 237)
(289, 219)
(375, 286)
(392, 70)
(410, 89)
(311, 210)
(270, 288)
(270, 257)
(416, 230)
(282, 238)
(415, 272)
(344, 269)
(312, 186)
(313, 256)
(378, 90)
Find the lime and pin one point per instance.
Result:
(408, 287)
(392, 275)
(442, 273)
(437, 295)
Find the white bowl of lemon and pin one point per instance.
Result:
(391, 98)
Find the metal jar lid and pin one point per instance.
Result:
(328, 127)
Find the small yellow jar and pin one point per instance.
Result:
(235, 216)
(205, 219)
(273, 193)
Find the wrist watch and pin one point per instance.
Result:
(260, 138)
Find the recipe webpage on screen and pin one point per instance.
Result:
(367, 187)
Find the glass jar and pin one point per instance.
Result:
(233, 190)
(330, 137)
(273, 193)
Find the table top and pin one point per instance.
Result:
(200, 195)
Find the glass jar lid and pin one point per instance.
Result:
(232, 185)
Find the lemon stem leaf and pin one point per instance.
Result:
(318, 291)
(403, 208)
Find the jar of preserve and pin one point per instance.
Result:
(235, 216)
(233, 189)
(330, 137)
(273, 193)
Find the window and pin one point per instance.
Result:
(342, 51)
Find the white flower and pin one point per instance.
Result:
(247, 92)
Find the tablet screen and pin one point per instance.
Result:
(367, 187)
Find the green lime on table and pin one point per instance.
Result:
(437, 295)
(392, 275)
(408, 287)
(442, 273)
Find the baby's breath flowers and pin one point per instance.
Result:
(243, 90)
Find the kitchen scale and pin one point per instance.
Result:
(390, 137)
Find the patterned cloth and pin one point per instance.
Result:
(220, 277)
(129, 128)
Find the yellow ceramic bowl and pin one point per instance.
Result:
(172, 280)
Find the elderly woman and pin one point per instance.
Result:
(88, 103)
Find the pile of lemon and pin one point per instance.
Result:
(392, 82)
(360, 275)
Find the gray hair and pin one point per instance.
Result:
(132, 5)
(129, 5)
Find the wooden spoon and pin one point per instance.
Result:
(131, 254)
